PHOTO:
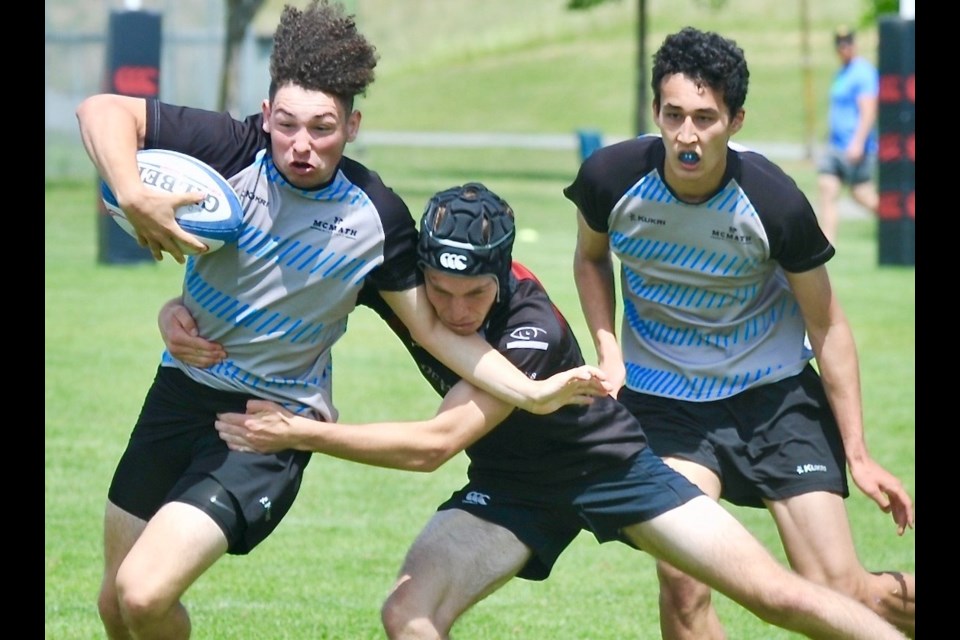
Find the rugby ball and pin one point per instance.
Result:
(215, 221)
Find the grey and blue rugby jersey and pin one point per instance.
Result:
(539, 451)
(279, 299)
(707, 310)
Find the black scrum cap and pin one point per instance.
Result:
(468, 231)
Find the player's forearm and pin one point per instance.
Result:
(476, 361)
(832, 341)
(595, 288)
(112, 129)
(839, 369)
(409, 446)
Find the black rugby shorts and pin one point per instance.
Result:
(774, 441)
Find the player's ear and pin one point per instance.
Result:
(737, 122)
(353, 125)
(265, 111)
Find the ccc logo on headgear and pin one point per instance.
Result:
(453, 261)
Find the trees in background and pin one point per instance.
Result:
(238, 15)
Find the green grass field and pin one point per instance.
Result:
(325, 571)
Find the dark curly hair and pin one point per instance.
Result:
(318, 48)
(706, 58)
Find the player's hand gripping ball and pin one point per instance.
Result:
(216, 221)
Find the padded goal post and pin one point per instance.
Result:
(897, 126)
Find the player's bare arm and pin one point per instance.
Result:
(833, 344)
(476, 361)
(112, 129)
(464, 416)
(593, 274)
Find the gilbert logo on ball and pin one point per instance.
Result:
(215, 221)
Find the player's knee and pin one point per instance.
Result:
(402, 618)
(399, 621)
(108, 608)
(394, 615)
(139, 604)
(390, 618)
(680, 593)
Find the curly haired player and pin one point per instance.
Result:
(317, 228)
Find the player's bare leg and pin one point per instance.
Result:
(686, 605)
(178, 544)
(456, 561)
(120, 532)
(704, 540)
(819, 544)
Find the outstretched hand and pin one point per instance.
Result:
(265, 428)
(886, 490)
(577, 386)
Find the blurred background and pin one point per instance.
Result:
(544, 69)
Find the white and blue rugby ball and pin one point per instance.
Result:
(215, 221)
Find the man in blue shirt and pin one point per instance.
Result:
(851, 154)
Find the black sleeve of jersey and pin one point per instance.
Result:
(399, 270)
(225, 143)
(606, 175)
(796, 240)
